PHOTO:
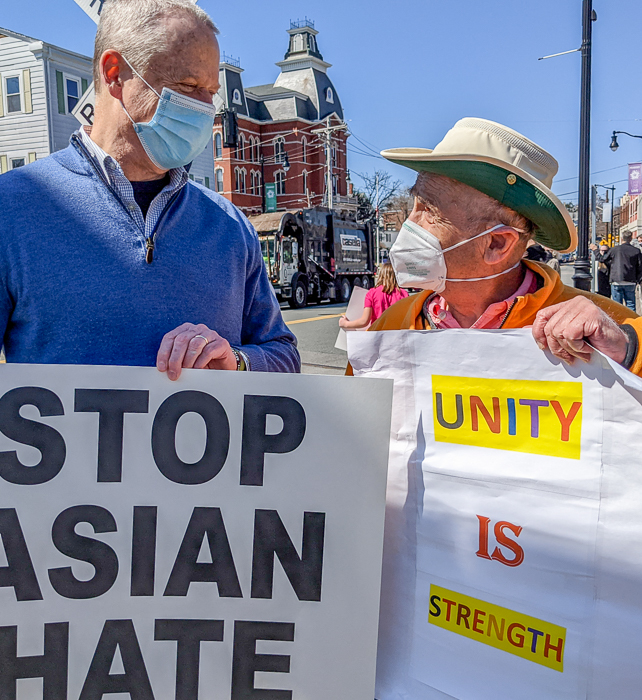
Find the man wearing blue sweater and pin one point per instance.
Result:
(109, 254)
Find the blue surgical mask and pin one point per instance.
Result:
(179, 130)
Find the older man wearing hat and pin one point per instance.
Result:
(480, 196)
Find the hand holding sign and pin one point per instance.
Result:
(566, 330)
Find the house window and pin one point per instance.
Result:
(335, 185)
(236, 97)
(305, 182)
(279, 150)
(200, 180)
(12, 86)
(218, 146)
(219, 180)
(334, 157)
(243, 174)
(279, 179)
(72, 93)
(329, 95)
(304, 150)
(258, 184)
(240, 154)
(17, 162)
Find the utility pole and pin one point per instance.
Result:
(377, 215)
(594, 235)
(326, 133)
(262, 183)
(582, 276)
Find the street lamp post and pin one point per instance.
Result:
(615, 145)
(582, 276)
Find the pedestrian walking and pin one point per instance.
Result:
(625, 269)
(382, 296)
(603, 283)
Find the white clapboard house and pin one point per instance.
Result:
(40, 84)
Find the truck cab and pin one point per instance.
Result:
(314, 254)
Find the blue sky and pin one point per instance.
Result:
(406, 70)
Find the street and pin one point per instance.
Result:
(316, 329)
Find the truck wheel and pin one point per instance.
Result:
(345, 290)
(299, 299)
(365, 282)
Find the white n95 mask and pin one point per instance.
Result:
(418, 258)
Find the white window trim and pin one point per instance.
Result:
(5, 96)
(218, 136)
(279, 172)
(216, 171)
(237, 100)
(11, 156)
(76, 79)
(280, 156)
(329, 95)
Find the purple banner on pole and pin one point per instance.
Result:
(635, 178)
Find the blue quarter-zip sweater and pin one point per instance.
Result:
(75, 287)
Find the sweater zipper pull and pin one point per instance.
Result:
(149, 256)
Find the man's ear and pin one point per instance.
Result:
(113, 72)
(502, 245)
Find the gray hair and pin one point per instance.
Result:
(465, 208)
(133, 28)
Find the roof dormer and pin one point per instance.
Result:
(303, 41)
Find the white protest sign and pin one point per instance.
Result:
(84, 110)
(92, 7)
(189, 539)
(513, 555)
(353, 312)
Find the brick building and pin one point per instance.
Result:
(629, 217)
(275, 131)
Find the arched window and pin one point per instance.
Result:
(252, 183)
(279, 149)
(329, 95)
(237, 179)
(335, 185)
(240, 153)
(218, 146)
(297, 43)
(218, 186)
(259, 187)
(236, 97)
(279, 179)
(304, 150)
(243, 174)
(305, 182)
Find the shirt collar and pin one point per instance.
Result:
(110, 166)
(492, 317)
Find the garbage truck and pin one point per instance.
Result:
(315, 254)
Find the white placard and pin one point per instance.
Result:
(190, 539)
(92, 7)
(513, 545)
(84, 110)
(353, 312)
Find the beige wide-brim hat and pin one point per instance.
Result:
(504, 165)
